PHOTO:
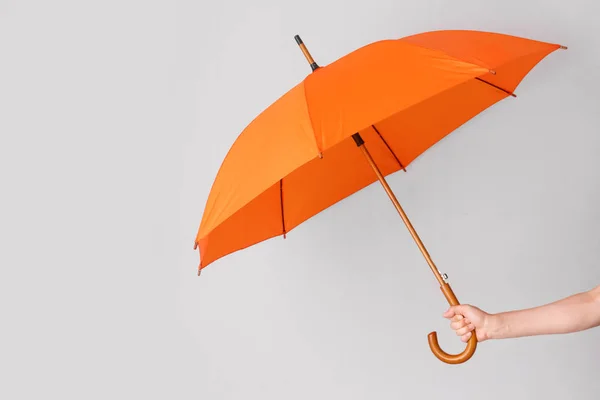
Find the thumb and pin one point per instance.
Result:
(460, 309)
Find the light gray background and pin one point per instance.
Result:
(114, 118)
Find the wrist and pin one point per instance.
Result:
(495, 326)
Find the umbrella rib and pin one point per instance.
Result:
(281, 202)
(497, 87)
(389, 148)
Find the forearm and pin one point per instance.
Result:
(572, 314)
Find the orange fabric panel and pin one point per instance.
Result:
(512, 73)
(511, 57)
(415, 130)
(375, 82)
(259, 220)
(488, 49)
(278, 141)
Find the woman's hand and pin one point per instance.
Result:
(575, 313)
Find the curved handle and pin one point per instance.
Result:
(468, 352)
(452, 358)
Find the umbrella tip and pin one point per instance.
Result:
(563, 47)
(313, 65)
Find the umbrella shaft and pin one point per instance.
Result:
(360, 143)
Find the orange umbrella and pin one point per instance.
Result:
(308, 150)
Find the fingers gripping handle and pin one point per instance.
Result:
(433, 342)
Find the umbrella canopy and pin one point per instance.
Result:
(402, 96)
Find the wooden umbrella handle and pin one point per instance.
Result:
(433, 341)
